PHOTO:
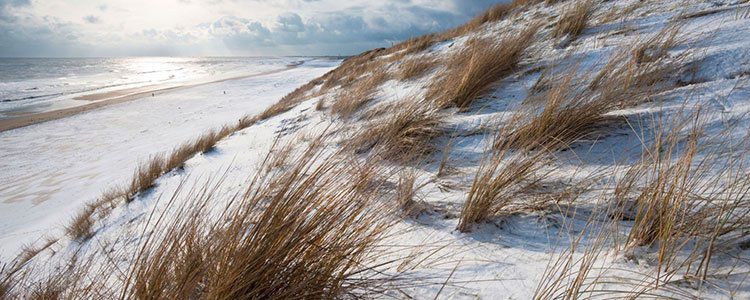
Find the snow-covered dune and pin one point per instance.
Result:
(649, 101)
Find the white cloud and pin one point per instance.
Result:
(219, 27)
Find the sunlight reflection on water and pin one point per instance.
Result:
(34, 84)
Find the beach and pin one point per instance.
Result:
(57, 161)
(99, 100)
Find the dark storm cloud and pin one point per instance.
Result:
(347, 31)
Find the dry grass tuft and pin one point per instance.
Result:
(178, 157)
(641, 68)
(663, 201)
(573, 20)
(683, 199)
(571, 112)
(658, 46)
(320, 104)
(207, 141)
(353, 98)
(306, 232)
(292, 99)
(566, 116)
(473, 71)
(415, 67)
(662, 187)
(405, 135)
(621, 13)
(246, 122)
(502, 177)
(406, 192)
(353, 68)
(412, 46)
(5, 289)
(370, 62)
(687, 194)
(81, 227)
(569, 276)
(145, 176)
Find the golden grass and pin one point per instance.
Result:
(145, 177)
(415, 67)
(568, 276)
(208, 140)
(5, 289)
(680, 190)
(80, 228)
(353, 98)
(502, 177)
(574, 19)
(65, 282)
(622, 13)
(664, 194)
(353, 68)
(292, 99)
(246, 122)
(147, 173)
(8, 272)
(566, 116)
(370, 61)
(307, 231)
(406, 193)
(412, 46)
(683, 200)
(320, 104)
(642, 66)
(571, 112)
(474, 71)
(568, 113)
(302, 233)
(307, 224)
(657, 47)
(403, 136)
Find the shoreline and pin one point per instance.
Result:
(109, 98)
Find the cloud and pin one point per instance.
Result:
(7, 7)
(15, 2)
(257, 27)
(346, 31)
(290, 22)
(91, 19)
(48, 36)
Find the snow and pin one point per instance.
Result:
(50, 170)
(502, 259)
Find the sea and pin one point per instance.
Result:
(40, 84)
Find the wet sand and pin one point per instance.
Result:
(105, 99)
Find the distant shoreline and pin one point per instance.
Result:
(100, 100)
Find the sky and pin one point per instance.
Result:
(76, 28)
